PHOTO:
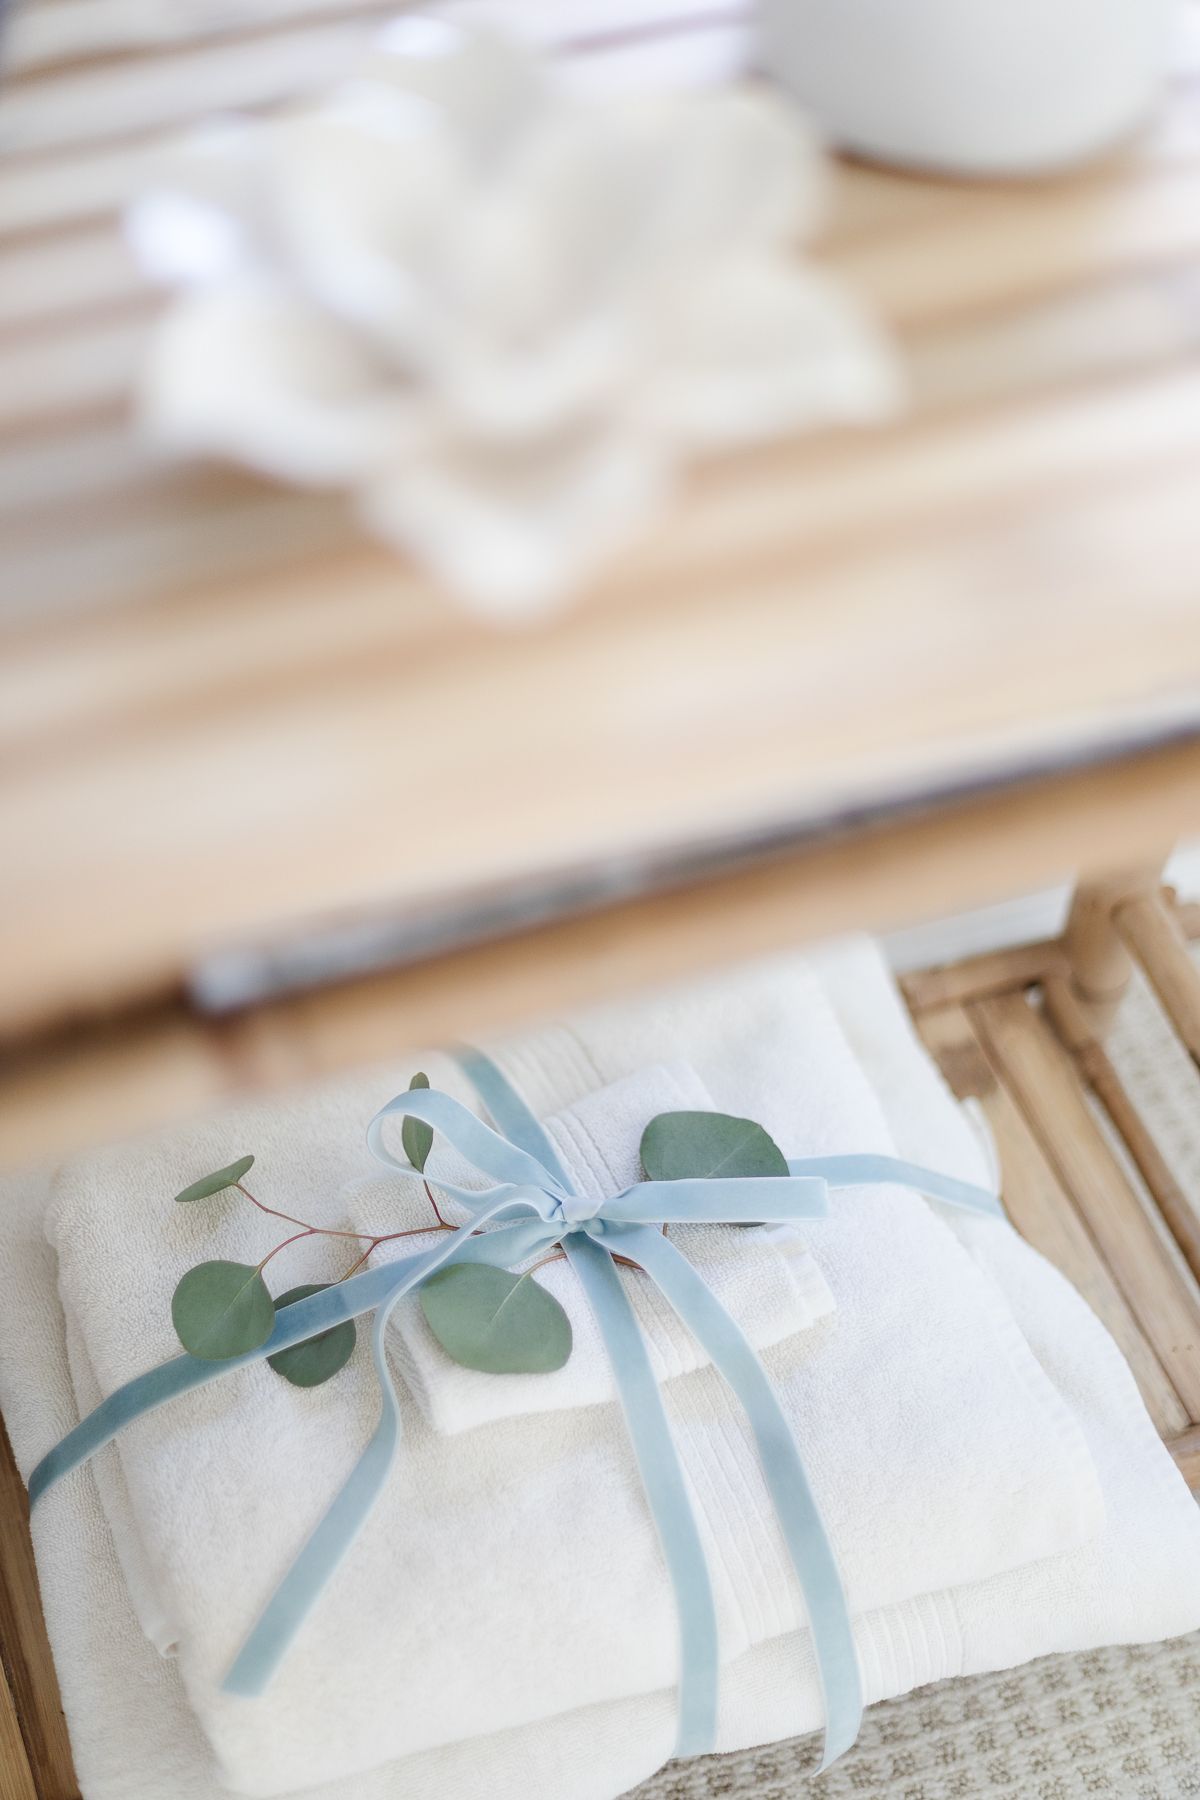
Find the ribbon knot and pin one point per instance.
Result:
(531, 1206)
(577, 1209)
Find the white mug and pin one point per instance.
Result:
(975, 87)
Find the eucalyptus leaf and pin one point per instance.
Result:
(415, 1134)
(315, 1359)
(504, 1324)
(222, 1309)
(218, 1181)
(688, 1146)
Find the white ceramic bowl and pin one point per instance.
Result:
(975, 87)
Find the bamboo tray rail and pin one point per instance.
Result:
(1005, 1030)
(1129, 1243)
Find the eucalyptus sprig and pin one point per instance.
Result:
(222, 1309)
(484, 1318)
(691, 1146)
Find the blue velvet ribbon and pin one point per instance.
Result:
(531, 1206)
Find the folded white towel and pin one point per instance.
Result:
(926, 1123)
(766, 1276)
(939, 1451)
(135, 1737)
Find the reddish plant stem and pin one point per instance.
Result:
(356, 1266)
(317, 1230)
(437, 1215)
(556, 1255)
(387, 1237)
(307, 1232)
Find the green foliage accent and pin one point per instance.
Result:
(415, 1135)
(222, 1309)
(315, 1359)
(504, 1324)
(217, 1182)
(688, 1146)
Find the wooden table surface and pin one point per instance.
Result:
(225, 716)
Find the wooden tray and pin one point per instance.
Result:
(1128, 1241)
(215, 694)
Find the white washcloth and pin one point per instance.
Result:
(939, 1451)
(766, 1276)
(136, 1739)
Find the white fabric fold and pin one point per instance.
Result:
(765, 1276)
(496, 1583)
(136, 1738)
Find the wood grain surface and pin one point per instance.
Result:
(98, 1080)
(1084, 1179)
(36, 1763)
(223, 714)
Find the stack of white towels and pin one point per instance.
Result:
(503, 1628)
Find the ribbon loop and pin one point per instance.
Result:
(476, 1142)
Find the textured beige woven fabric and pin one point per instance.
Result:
(1120, 1724)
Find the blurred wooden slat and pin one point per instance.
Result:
(1079, 348)
(1009, 248)
(50, 194)
(111, 1081)
(77, 144)
(122, 100)
(1016, 245)
(91, 1087)
(62, 276)
(70, 375)
(795, 501)
(42, 39)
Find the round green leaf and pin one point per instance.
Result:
(503, 1324)
(222, 1309)
(315, 1359)
(415, 1135)
(217, 1182)
(689, 1146)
